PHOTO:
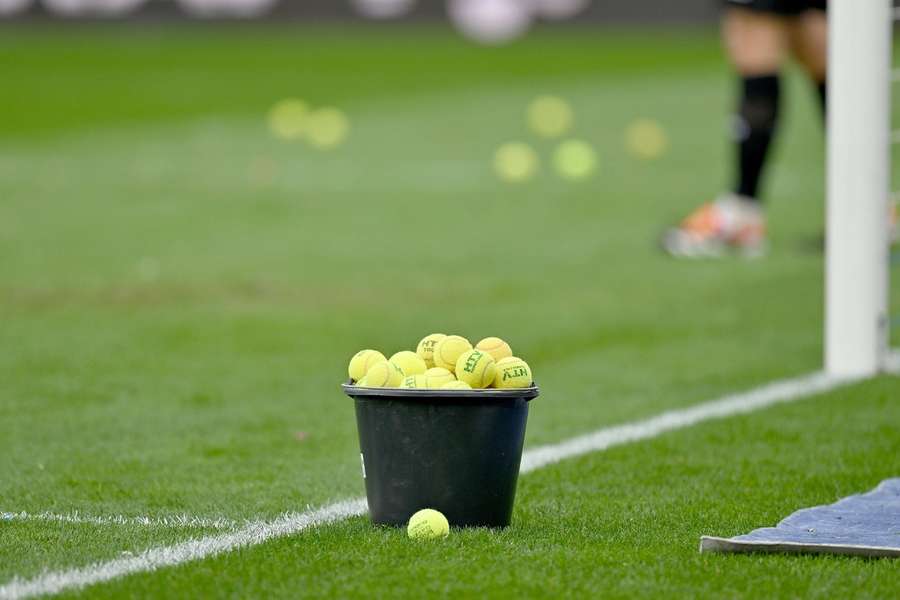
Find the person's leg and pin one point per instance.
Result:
(756, 43)
(808, 38)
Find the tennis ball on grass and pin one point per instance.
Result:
(448, 350)
(428, 524)
(288, 119)
(437, 377)
(362, 361)
(477, 368)
(425, 349)
(495, 347)
(575, 160)
(646, 139)
(409, 362)
(550, 116)
(384, 375)
(456, 385)
(327, 127)
(414, 382)
(515, 162)
(513, 373)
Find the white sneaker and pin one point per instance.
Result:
(732, 223)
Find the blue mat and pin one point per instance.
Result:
(865, 525)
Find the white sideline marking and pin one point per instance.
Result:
(257, 533)
(175, 521)
(734, 404)
(168, 556)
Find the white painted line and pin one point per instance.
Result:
(168, 556)
(257, 533)
(174, 521)
(735, 404)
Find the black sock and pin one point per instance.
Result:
(822, 88)
(755, 126)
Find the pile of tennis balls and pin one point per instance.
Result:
(447, 362)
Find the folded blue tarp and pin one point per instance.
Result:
(865, 525)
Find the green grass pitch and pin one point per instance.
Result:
(180, 293)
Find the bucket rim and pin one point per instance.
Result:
(355, 391)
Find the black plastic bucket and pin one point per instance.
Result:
(457, 451)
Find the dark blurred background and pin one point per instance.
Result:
(611, 11)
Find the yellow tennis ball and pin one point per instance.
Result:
(414, 382)
(477, 368)
(384, 375)
(327, 127)
(425, 349)
(550, 116)
(288, 118)
(362, 361)
(515, 162)
(456, 385)
(575, 160)
(362, 383)
(448, 350)
(513, 373)
(436, 377)
(409, 362)
(495, 347)
(646, 139)
(428, 524)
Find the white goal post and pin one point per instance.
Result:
(857, 261)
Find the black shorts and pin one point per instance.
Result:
(779, 7)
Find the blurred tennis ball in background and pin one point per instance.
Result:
(409, 362)
(490, 21)
(513, 373)
(438, 377)
(287, 119)
(477, 368)
(550, 116)
(448, 350)
(575, 160)
(515, 162)
(362, 361)
(495, 347)
(646, 139)
(425, 349)
(327, 128)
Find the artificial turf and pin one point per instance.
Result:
(179, 295)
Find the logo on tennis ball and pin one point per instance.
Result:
(472, 361)
(515, 372)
